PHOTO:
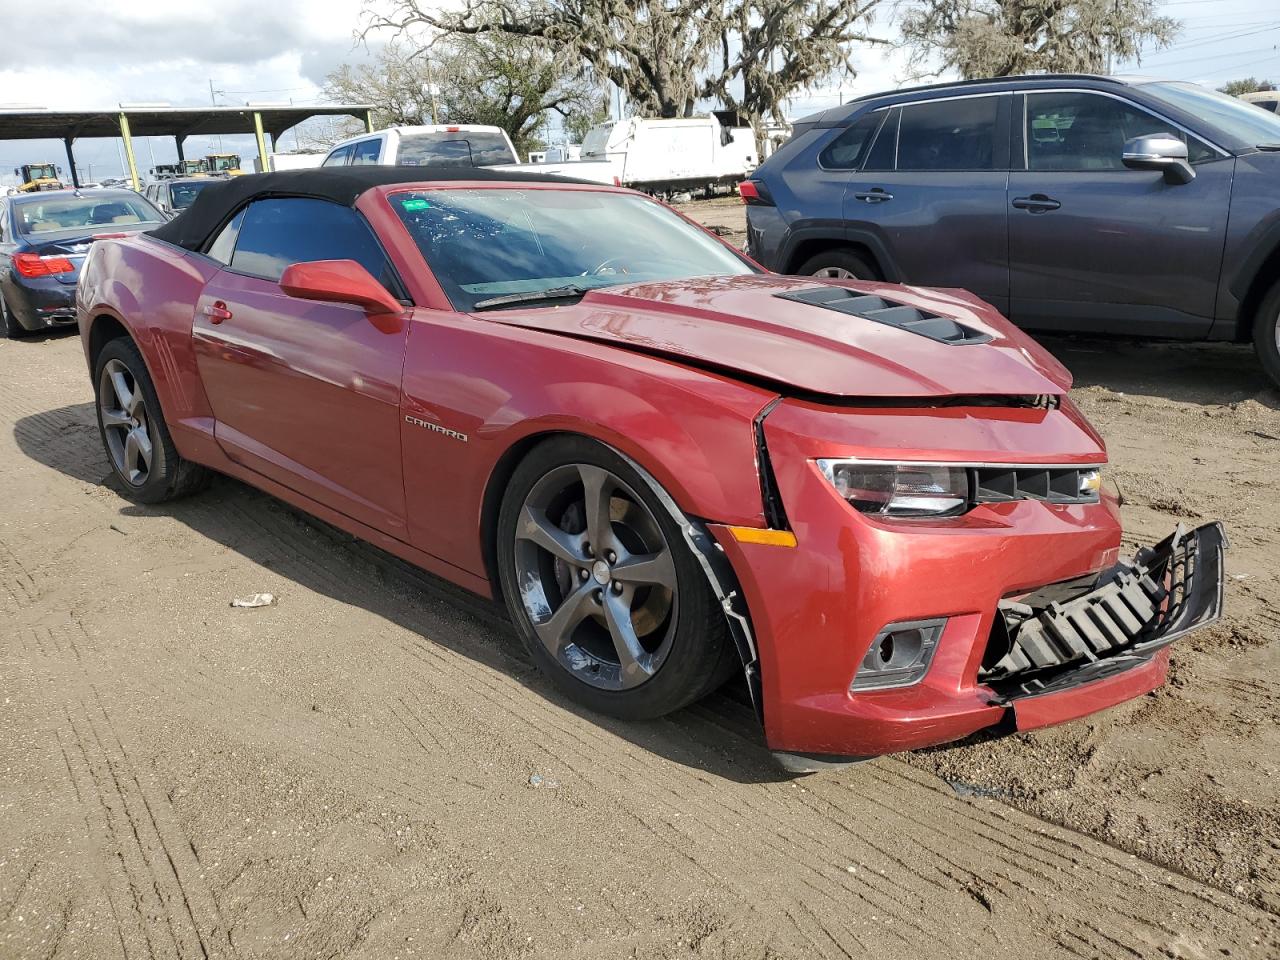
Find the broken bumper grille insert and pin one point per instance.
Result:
(1131, 611)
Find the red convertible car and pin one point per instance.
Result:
(874, 501)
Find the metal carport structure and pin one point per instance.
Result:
(177, 122)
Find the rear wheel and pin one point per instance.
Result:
(133, 430)
(607, 598)
(839, 264)
(9, 324)
(1266, 334)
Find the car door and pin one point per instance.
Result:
(304, 392)
(930, 195)
(1098, 247)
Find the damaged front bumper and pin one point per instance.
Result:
(1075, 633)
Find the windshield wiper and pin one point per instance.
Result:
(533, 296)
(1269, 147)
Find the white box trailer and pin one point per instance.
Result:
(289, 161)
(661, 155)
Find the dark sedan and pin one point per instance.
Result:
(43, 239)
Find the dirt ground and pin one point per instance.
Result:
(370, 769)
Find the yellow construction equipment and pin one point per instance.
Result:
(192, 168)
(38, 176)
(223, 163)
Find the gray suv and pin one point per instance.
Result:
(1072, 203)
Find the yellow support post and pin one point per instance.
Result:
(368, 121)
(263, 163)
(128, 152)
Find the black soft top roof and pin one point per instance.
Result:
(214, 205)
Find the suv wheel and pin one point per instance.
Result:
(1266, 334)
(839, 264)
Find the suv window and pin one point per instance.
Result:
(339, 157)
(948, 135)
(365, 152)
(845, 152)
(282, 231)
(1087, 131)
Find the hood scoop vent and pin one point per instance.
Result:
(889, 312)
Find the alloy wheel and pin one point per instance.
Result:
(122, 410)
(596, 576)
(835, 273)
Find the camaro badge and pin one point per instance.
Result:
(436, 427)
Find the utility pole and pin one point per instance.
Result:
(213, 101)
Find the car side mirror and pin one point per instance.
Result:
(1161, 152)
(341, 281)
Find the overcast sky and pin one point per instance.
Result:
(100, 54)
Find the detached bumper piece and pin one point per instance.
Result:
(1070, 634)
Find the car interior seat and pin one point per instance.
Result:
(108, 212)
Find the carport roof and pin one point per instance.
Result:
(30, 124)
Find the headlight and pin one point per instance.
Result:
(900, 490)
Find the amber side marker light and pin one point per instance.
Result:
(772, 538)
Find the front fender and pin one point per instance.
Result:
(491, 389)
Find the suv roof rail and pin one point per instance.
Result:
(979, 81)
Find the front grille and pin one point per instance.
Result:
(1000, 484)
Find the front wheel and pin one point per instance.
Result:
(607, 598)
(1266, 334)
(134, 434)
(839, 264)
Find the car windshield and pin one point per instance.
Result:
(471, 148)
(182, 195)
(72, 213)
(488, 243)
(1238, 119)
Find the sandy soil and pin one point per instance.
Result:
(370, 769)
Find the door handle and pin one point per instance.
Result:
(1036, 203)
(216, 312)
(874, 195)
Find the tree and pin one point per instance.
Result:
(651, 49)
(499, 80)
(772, 48)
(578, 122)
(660, 53)
(1248, 85)
(997, 38)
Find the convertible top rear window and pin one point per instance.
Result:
(489, 243)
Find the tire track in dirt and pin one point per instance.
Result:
(156, 871)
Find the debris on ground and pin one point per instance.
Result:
(257, 600)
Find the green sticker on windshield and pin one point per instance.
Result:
(415, 203)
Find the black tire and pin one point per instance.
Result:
(9, 324)
(837, 262)
(687, 646)
(167, 475)
(1266, 334)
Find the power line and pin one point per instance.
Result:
(1220, 38)
(1218, 56)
